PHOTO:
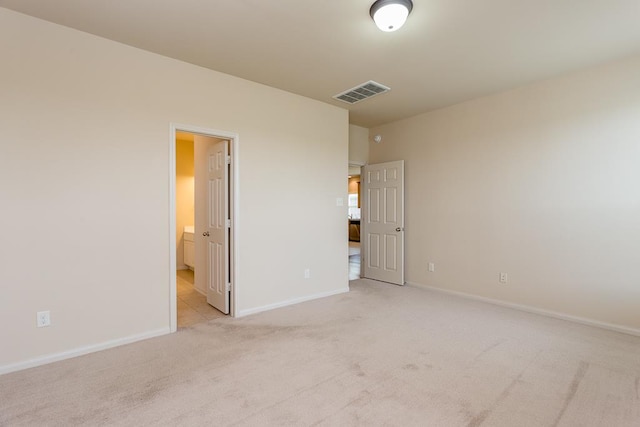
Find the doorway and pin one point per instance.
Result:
(204, 252)
(353, 204)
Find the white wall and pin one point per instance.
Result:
(542, 182)
(358, 145)
(84, 184)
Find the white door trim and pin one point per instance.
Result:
(235, 196)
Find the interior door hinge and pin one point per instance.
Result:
(228, 223)
(228, 286)
(228, 160)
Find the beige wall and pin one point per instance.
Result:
(542, 182)
(86, 211)
(184, 195)
(358, 145)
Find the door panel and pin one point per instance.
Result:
(374, 205)
(391, 254)
(383, 222)
(373, 241)
(390, 203)
(218, 282)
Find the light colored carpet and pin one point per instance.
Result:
(379, 355)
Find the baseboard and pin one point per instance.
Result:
(31, 363)
(291, 302)
(534, 310)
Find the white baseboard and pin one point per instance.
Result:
(291, 302)
(534, 310)
(80, 351)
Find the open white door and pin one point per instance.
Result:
(383, 222)
(218, 226)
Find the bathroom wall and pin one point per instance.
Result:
(184, 195)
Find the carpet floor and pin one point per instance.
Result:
(378, 355)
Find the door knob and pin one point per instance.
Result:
(205, 234)
(399, 229)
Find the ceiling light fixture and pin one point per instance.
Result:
(390, 15)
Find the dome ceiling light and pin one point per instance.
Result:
(390, 15)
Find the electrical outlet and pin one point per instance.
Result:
(432, 267)
(43, 318)
(503, 277)
(307, 273)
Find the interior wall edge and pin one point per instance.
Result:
(533, 310)
(293, 301)
(81, 351)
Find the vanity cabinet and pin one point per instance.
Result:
(189, 248)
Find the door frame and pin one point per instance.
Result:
(360, 165)
(234, 193)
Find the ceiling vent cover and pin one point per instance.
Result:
(361, 92)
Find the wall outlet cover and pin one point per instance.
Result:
(43, 318)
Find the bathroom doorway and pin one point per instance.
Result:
(203, 198)
(192, 306)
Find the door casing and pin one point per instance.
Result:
(234, 205)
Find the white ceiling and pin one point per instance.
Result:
(448, 51)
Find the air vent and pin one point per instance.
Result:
(361, 92)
